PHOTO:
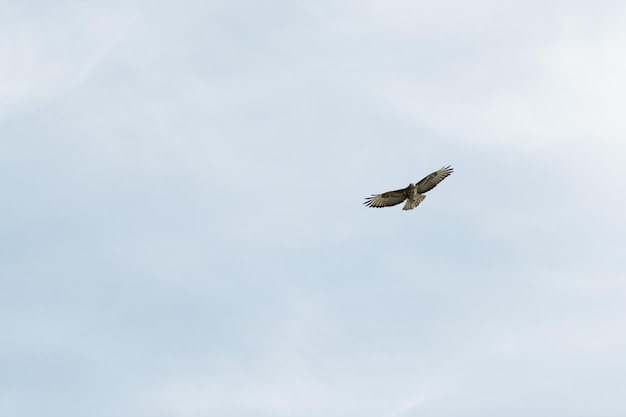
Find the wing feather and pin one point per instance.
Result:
(388, 199)
(431, 180)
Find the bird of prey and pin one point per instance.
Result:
(413, 194)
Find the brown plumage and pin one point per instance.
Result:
(413, 194)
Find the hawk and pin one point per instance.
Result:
(413, 194)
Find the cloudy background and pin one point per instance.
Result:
(181, 224)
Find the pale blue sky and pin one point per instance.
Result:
(182, 224)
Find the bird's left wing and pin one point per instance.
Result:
(388, 199)
(430, 181)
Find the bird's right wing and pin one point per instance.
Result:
(388, 199)
(430, 181)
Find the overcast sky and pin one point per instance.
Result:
(182, 230)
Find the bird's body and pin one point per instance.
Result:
(413, 193)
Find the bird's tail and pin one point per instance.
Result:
(411, 203)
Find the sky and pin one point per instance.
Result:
(182, 227)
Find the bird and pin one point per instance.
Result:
(413, 194)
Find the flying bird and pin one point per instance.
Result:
(413, 194)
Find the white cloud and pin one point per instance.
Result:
(185, 226)
(558, 86)
(580, 93)
(48, 52)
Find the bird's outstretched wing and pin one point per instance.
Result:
(430, 181)
(388, 199)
